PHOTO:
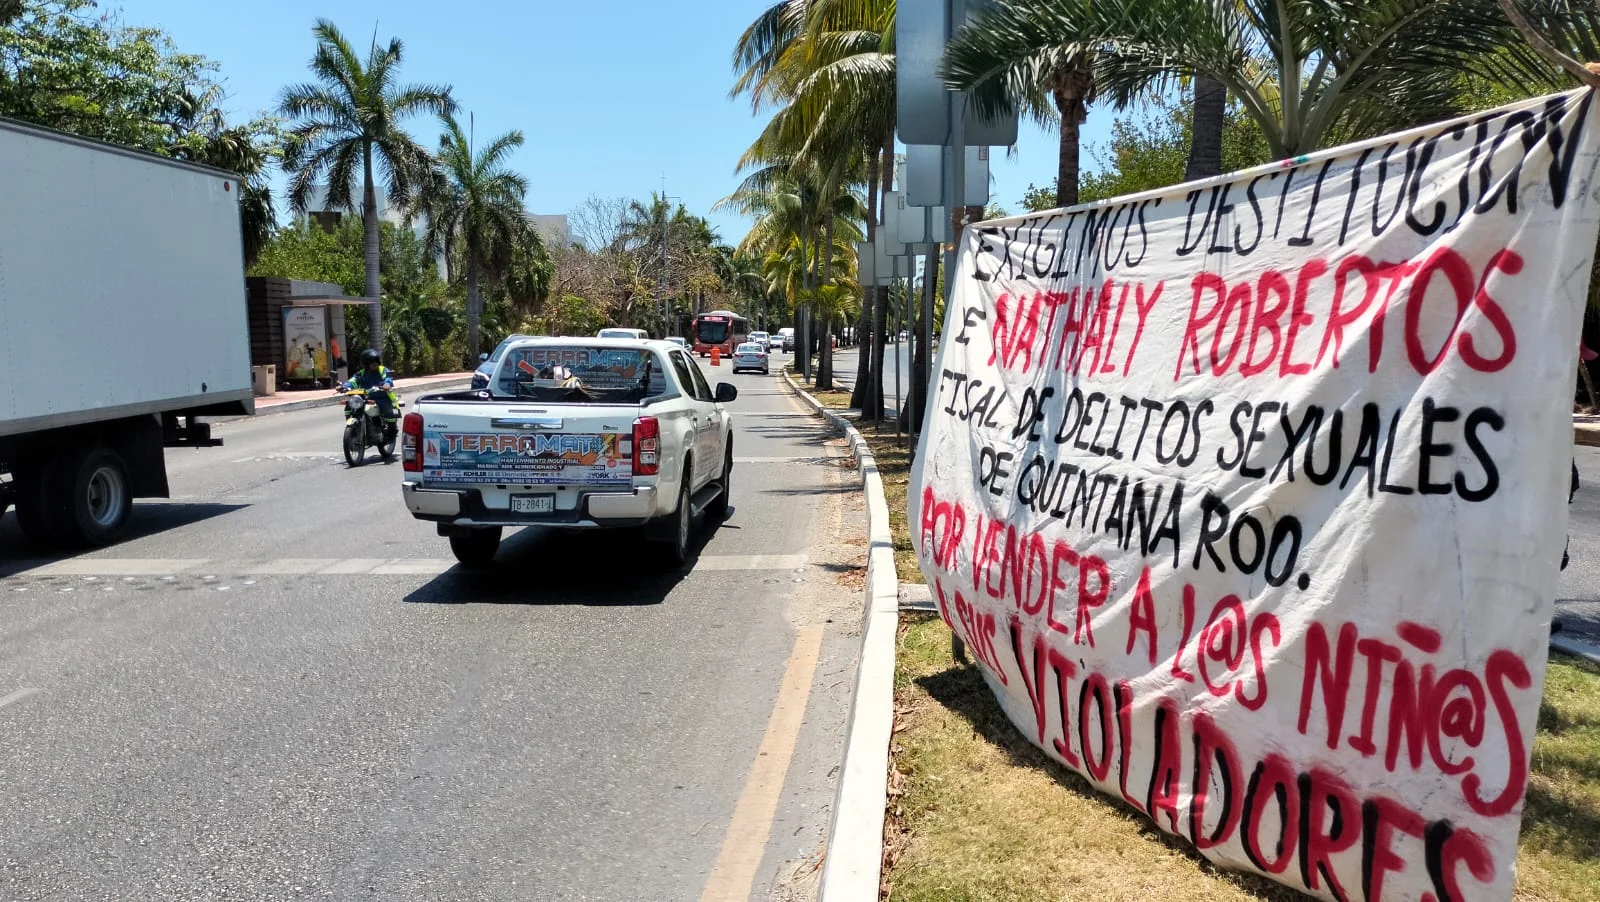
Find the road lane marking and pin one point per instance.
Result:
(750, 562)
(412, 567)
(17, 696)
(354, 565)
(745, 843)
(290, 455)
(800, 458)
(282, 567)
(117, 567)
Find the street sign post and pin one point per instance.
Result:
(925, 108)
(926, 166)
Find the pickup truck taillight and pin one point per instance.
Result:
(646, 446)
(411, 443)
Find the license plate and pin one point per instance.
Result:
(533, 504)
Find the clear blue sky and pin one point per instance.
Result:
(612, 95)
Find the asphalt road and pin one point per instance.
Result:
(281, 687)
(845, 361)
(1578, 595)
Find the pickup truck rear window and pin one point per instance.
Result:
(579, 374)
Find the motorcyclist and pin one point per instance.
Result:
(378, 382)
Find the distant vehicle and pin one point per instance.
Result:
(752, 355)
(762, 338)
(640, 334)
(575, 433)
(722, 330)
(480, 376)
(786, 336)
(680, 341)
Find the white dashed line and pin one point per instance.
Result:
(17, 696)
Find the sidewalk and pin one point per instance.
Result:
(285, 401)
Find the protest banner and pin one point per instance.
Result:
(1249, 495)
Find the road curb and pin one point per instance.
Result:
(1586, 433)
(853, 859)
(329, 399)
(1576, 647)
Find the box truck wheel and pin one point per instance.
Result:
(39, 512)
(93, 493)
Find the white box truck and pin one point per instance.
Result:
(122, 321)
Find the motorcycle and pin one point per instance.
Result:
(364, 427)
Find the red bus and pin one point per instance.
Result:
(720, 329)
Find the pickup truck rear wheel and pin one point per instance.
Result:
(476, 548)
(676, 549)
(719, 506)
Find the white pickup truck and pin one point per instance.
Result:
(579, 433)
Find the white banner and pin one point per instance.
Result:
(1249, 496)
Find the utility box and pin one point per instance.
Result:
(264, 379)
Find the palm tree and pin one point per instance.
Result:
(474, 209)
(1309, 74)
(528, 279)
(668, 245)
(349, 120)
(786, 273)
(830, 64)
(744, 278)
(1210, 114)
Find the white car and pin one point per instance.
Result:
(572, 433)
(761, 338)
(638, 334)
(680, 342)
(751, 355)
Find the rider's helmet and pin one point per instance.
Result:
(370, 359)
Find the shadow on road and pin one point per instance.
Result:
(841, 489)
(816, 433)
(147, 519)
(599, 568)
(1578, 618)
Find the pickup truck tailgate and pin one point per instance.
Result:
(535, 445)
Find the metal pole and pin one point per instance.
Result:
(958, 178)
(902, 291)
(666, 256)
(930, 275)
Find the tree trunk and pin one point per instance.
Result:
(861, 394)
(1205, 148)
(1070, 89)
(803, 346)
(369, 234)
(474, 310)
(879, 338)
(825, 352)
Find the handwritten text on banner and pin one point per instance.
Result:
(1249, 496)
